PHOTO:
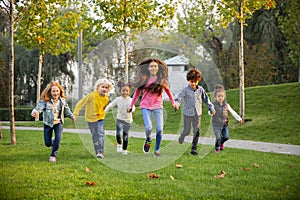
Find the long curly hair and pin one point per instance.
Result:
(143, 75)
(46, 94)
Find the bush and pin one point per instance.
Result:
(21, 114)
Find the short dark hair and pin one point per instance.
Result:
(194, 75)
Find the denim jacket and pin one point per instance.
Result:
(48, 113)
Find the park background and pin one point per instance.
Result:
(47, 38)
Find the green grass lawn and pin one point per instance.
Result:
(25, 173)
(274, 114)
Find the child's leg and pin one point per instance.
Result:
(217, 132)
(97, 132)
(147, 122)
(48, 135)
(118, 131)
(196, 129)
(225, 136)
(187, 120)
(58, 128)
(159, 121)
(126, 128)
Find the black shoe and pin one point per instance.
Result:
(194, 153)
(181, 139)
(146, 147)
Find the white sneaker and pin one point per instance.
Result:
(124, 152)
(119, 148)
(52, 159)
(100, 155)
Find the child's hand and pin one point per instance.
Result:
(129, 110)
(73, 119)
(175, 106)
(241, 121)
(35, 114)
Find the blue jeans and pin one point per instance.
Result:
(97, 131)
(222, 135)
(122, 125)
(58, 128)
(158, 116)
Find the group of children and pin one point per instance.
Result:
(152, 80)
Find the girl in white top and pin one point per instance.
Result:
(124, 118)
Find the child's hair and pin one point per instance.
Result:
(123, 83)
(143, 75)
(194, 75)
(46, 94)
(103, 81)
(219, 88)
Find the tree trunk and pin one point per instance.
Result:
(38, 89)
(79, 47)
(126, 60)
(241, 64)
(1, 135)
(11, 76)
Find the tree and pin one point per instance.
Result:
(241, 10)
(131, 17)
(49, 26)
(8, 6)
(290, 25)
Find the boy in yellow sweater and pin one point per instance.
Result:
(95, 103)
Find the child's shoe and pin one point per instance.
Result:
(222, 147)
(52, 159)
(119, 148)
(146, 147)
(100, 155)
(194, 153)
(181, 139)
(124, 152)
(217, 151)
(156, 154)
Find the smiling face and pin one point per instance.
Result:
(193, 84)
(102, 89)
(153, 69)
(55, 92)
(125, 91)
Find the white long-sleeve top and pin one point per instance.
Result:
(122, 104)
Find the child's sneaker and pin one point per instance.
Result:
(146, 147)
(119, 148)
(194, 153)
(222, 147)
(100, 155)
(52, 159)
(124, 152)
(181, 139)
(217, 151)
(156, 154)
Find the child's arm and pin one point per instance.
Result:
(111, 105)
(208, 103)
(168, 92)
(234, 114)
(38, 109)
(134, 99)
(80, 104)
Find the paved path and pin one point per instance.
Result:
(240, 144)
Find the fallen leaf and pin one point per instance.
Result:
(178, 165)
(90, 183)
(87, 170)
(256, 165)
(172, 178)
(153, 175)
(245, 169)
(222, 175)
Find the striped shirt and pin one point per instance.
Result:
(193, 101)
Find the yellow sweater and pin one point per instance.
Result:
(95, 105)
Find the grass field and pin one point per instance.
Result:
(25, 172)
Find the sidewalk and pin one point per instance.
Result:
(239, 144)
